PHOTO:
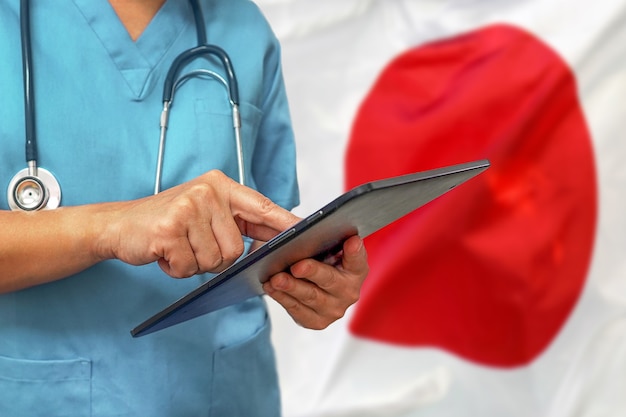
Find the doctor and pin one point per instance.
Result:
(75, 279)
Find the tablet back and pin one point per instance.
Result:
(362, 210)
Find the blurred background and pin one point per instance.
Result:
(506, 296)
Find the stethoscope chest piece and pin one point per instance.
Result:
(29, 192)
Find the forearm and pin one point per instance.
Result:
(40, 247)
(192, 228)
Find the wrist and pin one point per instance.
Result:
(101, 230)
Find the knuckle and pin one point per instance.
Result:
(168, 226)
(198, 191)
(216, 174)
(353, 296)
(173, 221)
(366, 271)
(209, 260)
(183, 274)
(310, 297)
(216, 178)
(319, 324)
(215, 264)
(331, 280)
(183, 271)
(266, 205)
(233, 253)
(336, 313)
(293, 307)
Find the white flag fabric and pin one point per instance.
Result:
(506, 296)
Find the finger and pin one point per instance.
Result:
(302, 314)
(322, 275)
(355, 257)
(205, 246)
(220, 241)
(259, 217)
(321, 308)
(341, 285)
(351, 268)
(304, 291)
(179, 260)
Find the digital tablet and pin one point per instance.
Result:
(360, 211)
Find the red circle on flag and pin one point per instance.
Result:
(492, 270)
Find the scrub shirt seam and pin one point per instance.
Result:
(152, 68)
(167, 50)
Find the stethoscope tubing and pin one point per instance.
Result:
(32, 188)
(191, 54)
(31, 182)
(164, 122)
(29, 94)
(173, 80)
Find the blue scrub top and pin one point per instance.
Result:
(65, 347)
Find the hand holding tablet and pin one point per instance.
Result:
(360, 211)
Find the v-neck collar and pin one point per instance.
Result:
(136, 59)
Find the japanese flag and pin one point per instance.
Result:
(507, 295)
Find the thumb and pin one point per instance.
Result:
(353, 255)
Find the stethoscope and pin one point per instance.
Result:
(35, 188)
